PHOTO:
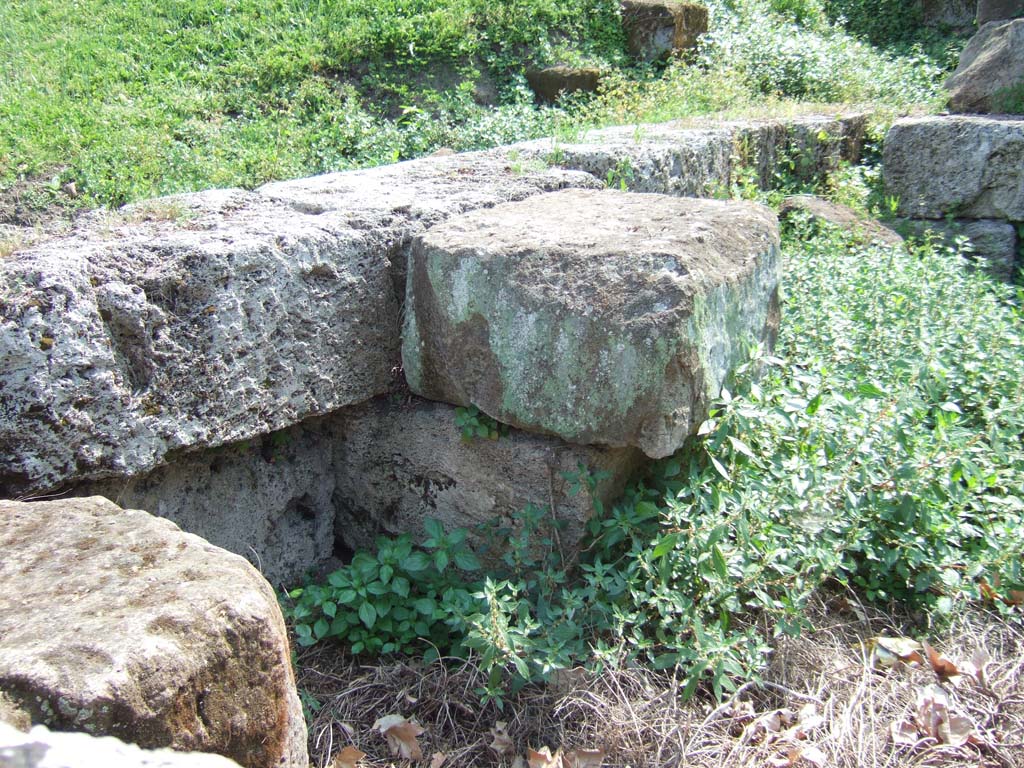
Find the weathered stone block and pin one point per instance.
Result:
(131, 628)
(990, 76)
(993, 244)
(551, 82)
(268, 499)
(226, 317)
(400, 463)
(658, 28)
(43, 748)
(966, 167)
(861, 227)
(598, 316)
(999, 10)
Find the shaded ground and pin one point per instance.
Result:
(827, 699)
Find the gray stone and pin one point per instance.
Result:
(703, 158)
(992, 245)
(400, 463)
(958, 14)
(999, 10)
(227, 317)
(268, 499)
(963, 166)
(550, 83)
(598, 316)
(860, 226)
(656, 29)
(117, 623)
(43, 748)
(990, 76)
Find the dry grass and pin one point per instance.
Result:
(636, 717)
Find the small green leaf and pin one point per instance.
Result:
(416, 562)
(367, 615)
(694, 680)
(330, 609)
(441, 560)
(320, 628)
(721, 566)
(666, 545)
(467, 561)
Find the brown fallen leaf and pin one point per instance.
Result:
(977, 666)
(904, 732)
(937, 721)
(348, 757)
(796, 755)
(886, 651)
(401, 735)
(943, 667)
(583, 758)
(543, 758)
(501, 742)
(438, 759)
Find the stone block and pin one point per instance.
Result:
(999, 10)
(990, 76)
(656, 29)
(993, 245)
(861, 227)
(117, 623)
(551, 82)
(962, 166)
(400, 463)
(601, 317)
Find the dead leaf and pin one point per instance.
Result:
(937, 721)
(401, 735)
(438, 759)
(1016, 597)
(976, 667)
(348, 757)
(583, 758)
(886, 651)
(813, 755)
(543, 758)
(502, 742)
(942, 666)
(519, 762)
(904, 732)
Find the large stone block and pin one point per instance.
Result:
(598, 316)
(961, 166)
(703, 158)
(43, 748)
(268, 499)
(117, 623)
(550, 83)
(224, 317)
(400, 463)
(999, 10)
(991, 245)
(990, 76)
(658, 28)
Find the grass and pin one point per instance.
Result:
(104, 102)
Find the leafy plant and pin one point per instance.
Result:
(474, 423)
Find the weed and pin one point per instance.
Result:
(474, 423)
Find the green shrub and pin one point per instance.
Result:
(881, 22)
(879, 450)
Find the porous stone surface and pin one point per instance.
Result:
(990, 75)
(43, 748)
(207, 319)
(702, 159)
(993, 245)
(117, 623)
(551, 82)
(224, 317)
(268, 499)
(965, 166)
(658, 28)
(862, 227)
(400, 463)
(598, 316)
(999, 10)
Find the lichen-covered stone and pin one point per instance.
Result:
(859, 226)
(998, 10)
(400, 463)
(117, 623)
(956, 165)
(991, 244)
(598, 316)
